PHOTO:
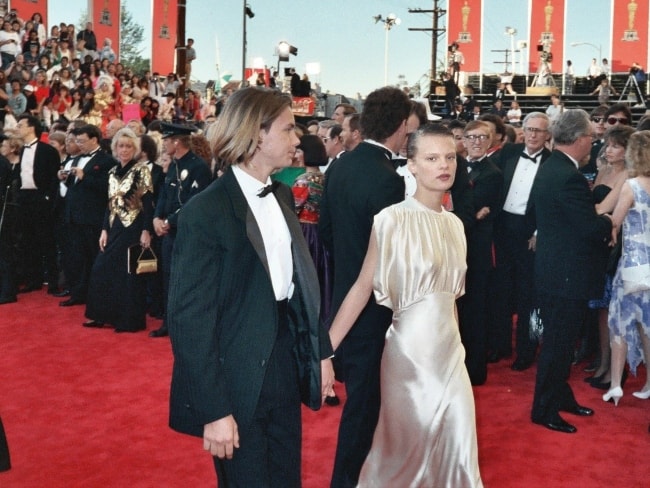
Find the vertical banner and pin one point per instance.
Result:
(464, 28)
(105, 15)
(27, 8)
(629, 34)
(547, 24)
(163, 36)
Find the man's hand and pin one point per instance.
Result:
(327, 378)
(221, 437)
(484, 212)
(532, 244)
(160, 227)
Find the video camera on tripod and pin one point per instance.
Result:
(546, 56)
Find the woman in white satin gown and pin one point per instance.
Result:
(426, 434)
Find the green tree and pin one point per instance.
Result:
(131, 36)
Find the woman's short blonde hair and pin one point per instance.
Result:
(235, 137)
(126, 133)
(15, 144)
(637, 154)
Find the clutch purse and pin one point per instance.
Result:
(142, 264)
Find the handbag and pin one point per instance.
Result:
(142, 264)
(636, 278)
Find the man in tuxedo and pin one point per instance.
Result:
(361, 184)
(514, 245)
(85, 207)
(39, 163)
(244, 305)
(561, 208)
(486, 181)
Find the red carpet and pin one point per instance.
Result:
(88, 408)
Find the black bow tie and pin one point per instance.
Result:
(474, 165)
(269, 189)
(532, 158)
(397, 162)
(30, 145)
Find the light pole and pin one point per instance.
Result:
(600, 51)
(248, 13)
(390, 21)
(511, 31)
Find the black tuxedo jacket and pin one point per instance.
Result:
(46, 165)
(222, 312)
(507, 161)
(487, 184)
(569, 231)
(86, 199)
(358, 187)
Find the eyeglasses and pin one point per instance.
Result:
(476, 137)
(598, 120)
(621, 120)
(534, 130)
(325, 139)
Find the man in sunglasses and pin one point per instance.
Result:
(619, 113)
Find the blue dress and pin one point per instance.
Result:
(628, 310)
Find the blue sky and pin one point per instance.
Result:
(342, 37)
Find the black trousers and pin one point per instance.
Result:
(5, 462)
(269, 452)
(472, 315)
(84, 247)
(38, 246)
(562, 318)
(512, 284)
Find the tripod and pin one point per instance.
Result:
(629, 85)
(544, 76)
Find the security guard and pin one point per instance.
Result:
(187, 175)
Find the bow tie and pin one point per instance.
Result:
(269, 189)
(532, 158)
(26, 146)
(397, 162)
(474, 165)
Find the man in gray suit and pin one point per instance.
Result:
(244, 305)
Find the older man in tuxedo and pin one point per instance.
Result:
(514, 244)
(569, 230)
(358, 186)
(244, 305)
(39, 164)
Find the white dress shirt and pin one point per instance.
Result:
(522, 183)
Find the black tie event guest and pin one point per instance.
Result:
(486, 181)
(244, 304)
(569, 232)
(9, 188)
(85, 206)
(416, 262)
(5, 460)
(187, 176)
(358, 186)
(512, 282)
(116, 296)
(39, 164)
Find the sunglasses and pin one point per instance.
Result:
(598, 120)
(613, 120)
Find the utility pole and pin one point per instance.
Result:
(180, 47)
(435, 32)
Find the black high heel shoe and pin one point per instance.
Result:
(595, 379)
(606, 385)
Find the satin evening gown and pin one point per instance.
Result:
(426, 434)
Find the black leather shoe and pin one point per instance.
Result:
(579, 410)
(162, 332)
(4, 300)
(71, 302)
(94, 324)
(30, 287)
(521, 365)
(559, 425)
(332, 401)
(61, 294)
(493, 357)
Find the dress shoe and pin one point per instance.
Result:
(94, 324)
(606, 385)
(579, 410)
(643, 394)
(592, 366)
(595, 379)
(613, 395)
(559, 425)
(521, 365)
(30, 288)
(161, 332)
(493, 357)
(4, 300)
(332, 401)
(71, 302)
(52, 290)
(61, 294)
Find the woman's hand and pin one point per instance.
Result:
(103, 239)
(145, 239)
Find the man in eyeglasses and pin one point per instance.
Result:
(486, 180)
(515, 246)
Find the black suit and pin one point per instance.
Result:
(37, 218)
(232, 349)
(568, 232)
(513, 284)
(486, 182)
(360, 185)
(85, 207)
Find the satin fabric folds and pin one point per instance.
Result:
(426, 435)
